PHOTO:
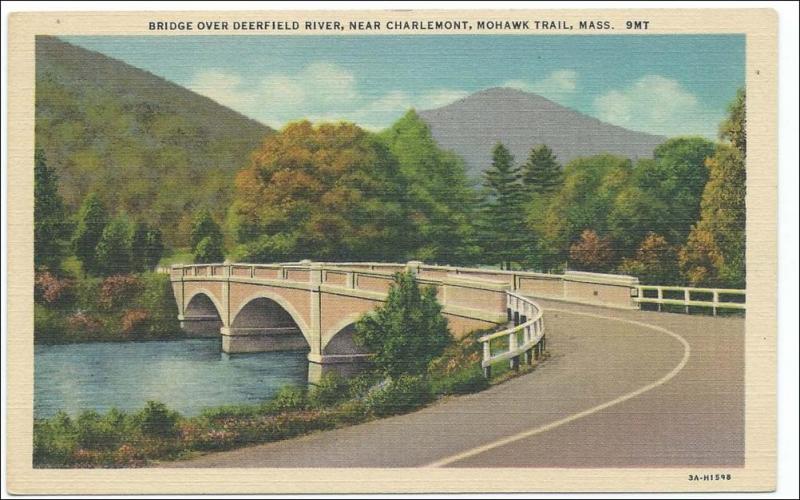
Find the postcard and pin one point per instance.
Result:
(392, 251)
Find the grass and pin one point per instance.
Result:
(182, 256)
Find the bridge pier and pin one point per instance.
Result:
(248, 339)
(345, 365)
(200, 325)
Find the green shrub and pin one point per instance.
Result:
(48, 325)
(351, 412)
(158, 300)
(95, 432)
(330, 389)
(464, 381)
(289, 398)
(359, 385)
(156, 420)
(230, 411)
(55, 440)
(399, 395)
(407, 331)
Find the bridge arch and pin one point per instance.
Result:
(265, 310)
(340, 339)
(202, 314)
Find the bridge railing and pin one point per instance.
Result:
(688, 297)
(524, 340)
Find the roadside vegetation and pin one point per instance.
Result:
(428, 364)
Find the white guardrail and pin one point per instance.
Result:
(526, 339)
(687, 297)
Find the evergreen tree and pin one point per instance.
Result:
(50, 227)
(209, 250)
(203, 226)
(542, 174)
(113, 251)
(406, 332)
(147, 247)
(92, 220)
(504, 237)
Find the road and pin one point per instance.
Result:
(621, 389)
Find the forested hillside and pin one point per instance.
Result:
(146, 146)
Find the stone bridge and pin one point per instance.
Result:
(313, 306)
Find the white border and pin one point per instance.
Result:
(787, 192)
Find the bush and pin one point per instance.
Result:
(82, 323)
(47, 324)
(406, 332)
(359, 385)
(351, 412)
(135, 321)
(55, 440)
(288, 398)
(54, 291)
(399, 395)
(156, 420)
(117, 291)
(230, 411)
(464, 381)
(158, 300)
(331, 389)
(98, 433)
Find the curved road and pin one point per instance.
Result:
(621, 389)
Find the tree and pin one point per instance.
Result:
(207, 239)
(113, 251)
(714, 254)
(92, 220)
(208, 250)
(407, 332)
(147, 247)
(441, 199)
(592, 252)
(504, 237)
(655, 262)
(50, 226)
(333, 191)
(204, 226)
(592, 187)
(734, 128)
(542, 174)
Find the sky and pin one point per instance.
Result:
(662, 84)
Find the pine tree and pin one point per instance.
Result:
(147, 247)
(92, 220)
(207, 240)
(113, 251)
(542, 174)
(504, 237)
(50, 227)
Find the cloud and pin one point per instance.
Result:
(657, 105)
(560, 85)
(319, 92)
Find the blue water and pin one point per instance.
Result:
(186, 375)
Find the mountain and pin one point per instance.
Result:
(148, 147)
(471, 126)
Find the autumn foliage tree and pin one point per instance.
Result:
(592, 252)
(655, 261)
(328, 192)
(715, 251)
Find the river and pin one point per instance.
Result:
(186, 375)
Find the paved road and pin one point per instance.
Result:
(615, 393)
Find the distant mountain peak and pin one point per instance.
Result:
(521, 120)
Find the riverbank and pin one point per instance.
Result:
(127, 307)
(157, 433)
